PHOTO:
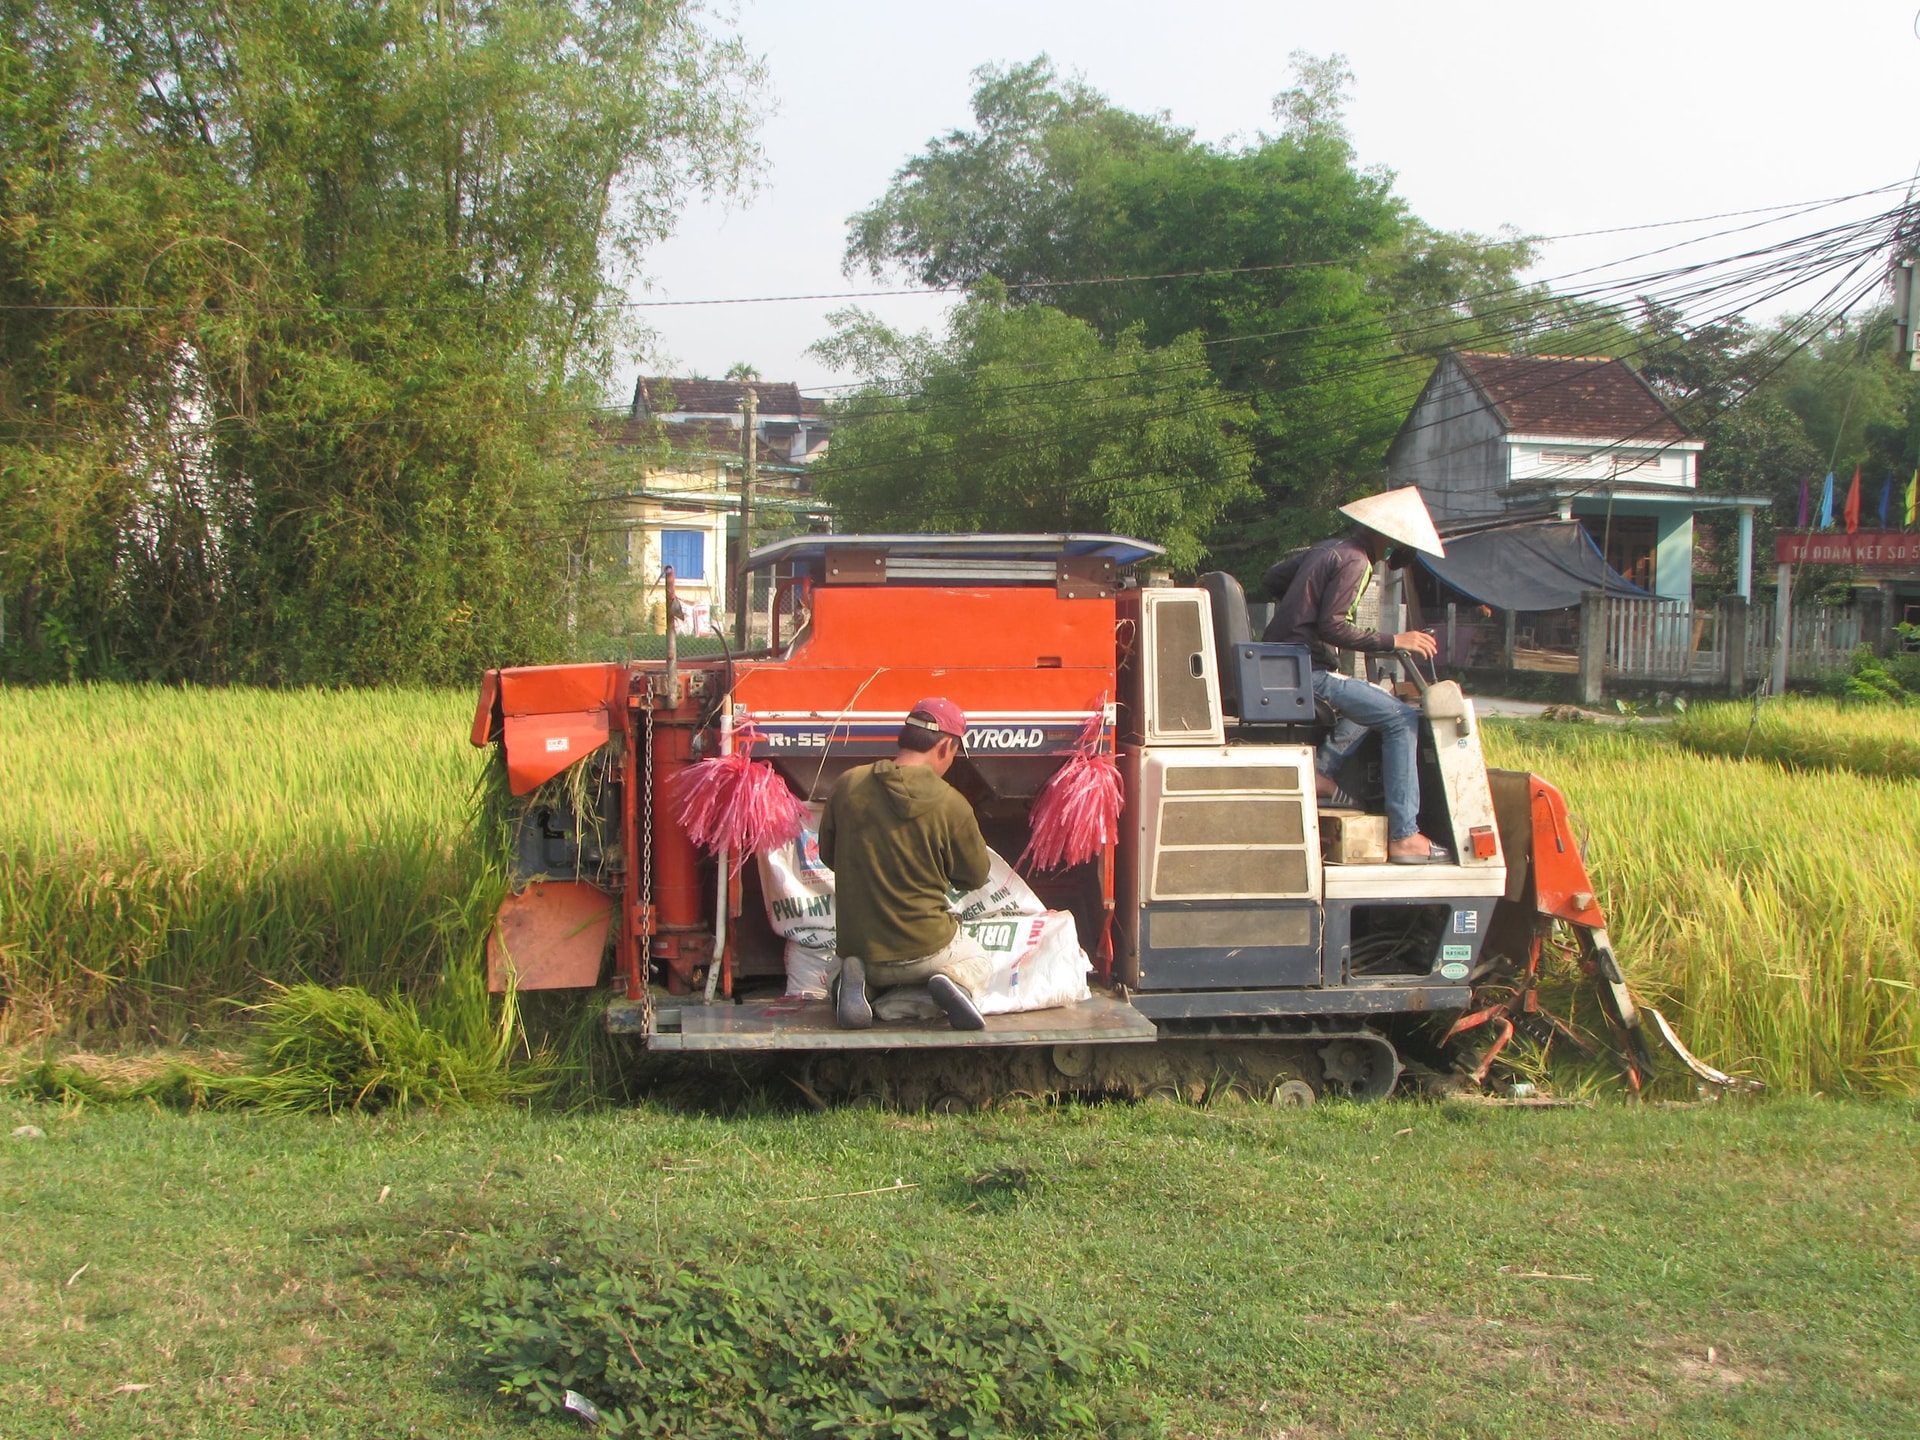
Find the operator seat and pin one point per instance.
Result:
(1230, 631)
(1260, 683)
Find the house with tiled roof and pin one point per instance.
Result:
(792, 426)
(1499, 438)
(685, 437)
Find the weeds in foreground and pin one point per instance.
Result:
(84, 1079)
(699, 1345)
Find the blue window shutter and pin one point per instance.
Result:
(686, 552)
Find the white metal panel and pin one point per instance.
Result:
(1414, 882)
(1238, 775)
(1179, 670)
(1463, 770)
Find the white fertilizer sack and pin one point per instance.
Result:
(799, 888)
(1005, 893)
(810, 971)
(1037, 962)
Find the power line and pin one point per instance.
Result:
(1770, 275)
(1820, 252)
(1813, 326)
(1800, 206)
(1526, 293)
(1785, 210)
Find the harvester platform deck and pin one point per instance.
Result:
(809, 1025)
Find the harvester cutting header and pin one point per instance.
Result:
(1301, 889)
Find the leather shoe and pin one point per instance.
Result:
(851, 1008)
(961, 1013)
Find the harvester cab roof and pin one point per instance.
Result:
(919, 557)
(1229, 925)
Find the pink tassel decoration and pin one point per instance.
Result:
(1078, 813)
(737, 803)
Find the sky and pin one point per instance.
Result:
(1551, 117)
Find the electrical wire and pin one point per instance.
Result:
(1053, 436)
(1531, 295)
(1529, 292)
(1527, 299)
(1743, 298)
(1818, 253)
(1783, 210)
(1196, 481)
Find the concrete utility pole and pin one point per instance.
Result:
(1782, 627)
(1903, 313)
(749, 449)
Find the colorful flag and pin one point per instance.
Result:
(1886, 498)
(1913, 500)
(1804, 482)
(1853, 502)
(1826, 504)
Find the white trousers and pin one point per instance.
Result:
(961, 960)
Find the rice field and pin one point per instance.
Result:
(1809, 733)
(168, 852)
(1773, 914)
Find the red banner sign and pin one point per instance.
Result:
(1836, 547)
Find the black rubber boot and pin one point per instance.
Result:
(851, 1008)
(959, 1006)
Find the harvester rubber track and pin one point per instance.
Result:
(1294, 1071)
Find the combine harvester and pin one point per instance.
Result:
(1237, 936)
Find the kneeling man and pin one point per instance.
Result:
(896, 835)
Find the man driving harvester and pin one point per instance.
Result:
(896, 835)
(1318, 594)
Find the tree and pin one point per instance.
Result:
(1779, 406)
(1315, 296)
(1315, 107)
(1855, 398)
(1026, 418)
(1013, 198)
(326, 285)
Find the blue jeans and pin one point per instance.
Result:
(1398, 725)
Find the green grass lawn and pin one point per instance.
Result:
(1399, 1269)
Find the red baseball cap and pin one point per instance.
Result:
(939, 714)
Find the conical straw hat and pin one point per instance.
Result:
(1401, 516)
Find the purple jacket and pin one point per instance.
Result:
(1317, 590)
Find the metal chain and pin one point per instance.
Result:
(645, 781)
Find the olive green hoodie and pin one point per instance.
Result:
(895, 837)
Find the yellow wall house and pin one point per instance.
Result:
(683, 509)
